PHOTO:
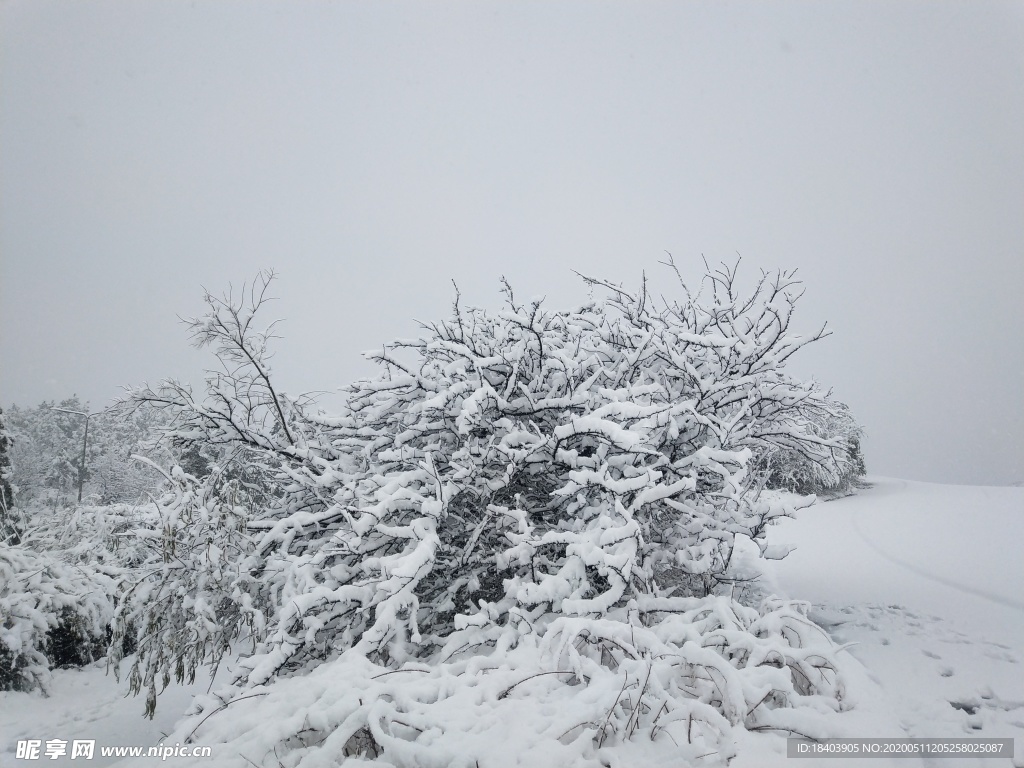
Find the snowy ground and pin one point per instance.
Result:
(87, 704)
(928, 582)
(925, 581)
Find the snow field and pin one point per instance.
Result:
(924, 582)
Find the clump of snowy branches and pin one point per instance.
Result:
(60, 584)
(682, 673)
(535, 491)
(103, 536)
(190, 597)
(52, 613)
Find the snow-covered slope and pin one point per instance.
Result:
(926, 582)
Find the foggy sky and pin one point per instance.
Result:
(373, 152)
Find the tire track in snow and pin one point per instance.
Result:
(999, 599)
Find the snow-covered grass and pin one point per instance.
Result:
(924, 581)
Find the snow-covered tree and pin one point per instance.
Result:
(9, 528)
(46, 453)
(541, 491)
(48, 446)
(118, 436)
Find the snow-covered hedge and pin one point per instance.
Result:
(51, 614)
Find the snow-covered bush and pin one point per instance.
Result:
(61, 562)
(535, 491)
(51, 614)
(793, 470)
(59, 586)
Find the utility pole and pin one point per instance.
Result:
(85, 441)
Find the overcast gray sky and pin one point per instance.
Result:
(372, 152)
